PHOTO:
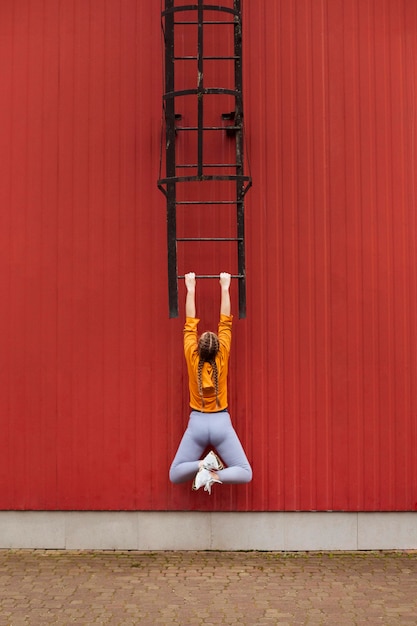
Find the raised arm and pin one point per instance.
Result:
(225, 305)
(190, 310)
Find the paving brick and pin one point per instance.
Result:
(209, 588)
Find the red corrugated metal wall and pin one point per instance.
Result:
(93, 394)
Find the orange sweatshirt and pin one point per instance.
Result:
(222, 361)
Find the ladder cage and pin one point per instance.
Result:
(203, 43)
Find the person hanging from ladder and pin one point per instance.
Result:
(209, 423)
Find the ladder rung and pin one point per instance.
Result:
(194, 58)
(227, 128)
(212, 276)
(203, 23)
(209, 202)
(205, 178)
(184, 166)
(209, 238)
(209, 91)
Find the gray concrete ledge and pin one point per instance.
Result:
(76, 530)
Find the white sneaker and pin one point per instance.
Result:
(210, 482)
(204, 477)
(201, 478)
(212, 462)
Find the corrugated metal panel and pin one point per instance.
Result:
(82, 244)
(93, 390)
(333, 290)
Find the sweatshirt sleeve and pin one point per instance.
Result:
(225, 331)
(190, 335)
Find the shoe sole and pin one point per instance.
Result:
(220, 465)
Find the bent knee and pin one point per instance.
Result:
(173, 476)
(177, 475)
(248, 475)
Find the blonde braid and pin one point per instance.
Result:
(208, 347)
(200, 382)
(216, 380)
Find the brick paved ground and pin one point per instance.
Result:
(207, 588)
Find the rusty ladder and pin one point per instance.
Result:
(173, 16)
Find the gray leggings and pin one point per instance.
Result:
(215, 430)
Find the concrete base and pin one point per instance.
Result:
(207, 531)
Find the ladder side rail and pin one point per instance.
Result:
(240, 189)
(200, 87)
(170, 159)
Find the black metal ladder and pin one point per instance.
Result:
(198, 16)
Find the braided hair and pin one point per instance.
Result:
(208, 347)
